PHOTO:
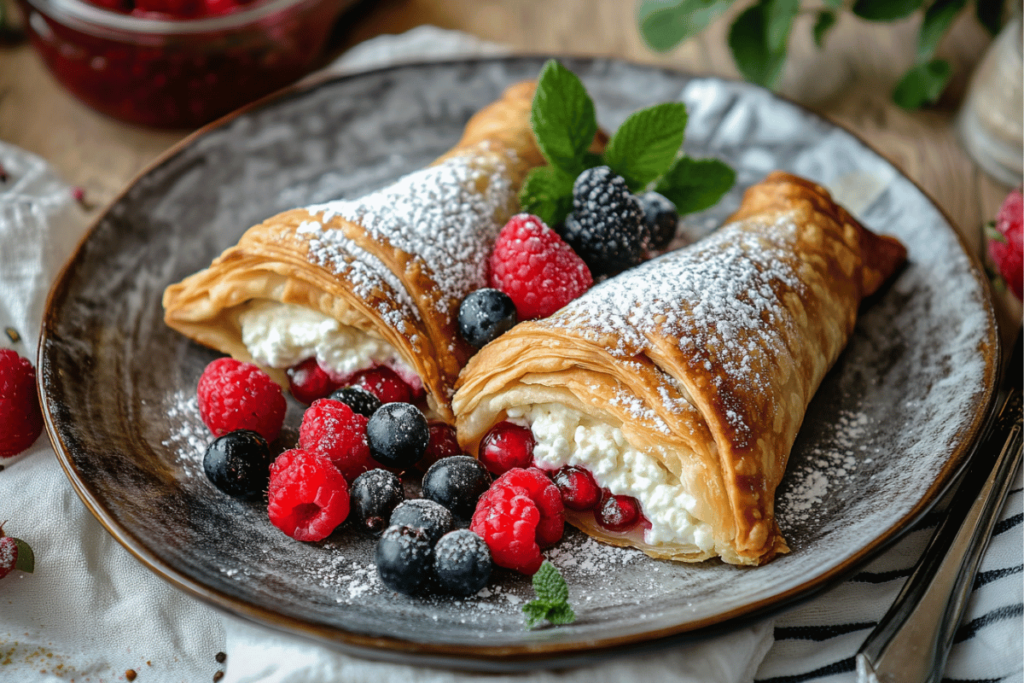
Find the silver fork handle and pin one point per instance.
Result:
(912, 641)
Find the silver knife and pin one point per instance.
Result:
(912, 641)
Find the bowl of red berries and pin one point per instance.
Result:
(178, 63)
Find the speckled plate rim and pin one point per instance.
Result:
(538, 654)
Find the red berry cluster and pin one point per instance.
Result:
(308, 494)
(507, 520)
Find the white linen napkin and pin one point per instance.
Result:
(91, 612)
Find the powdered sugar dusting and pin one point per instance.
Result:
(721, 296)
(444, 216)
(189, 437)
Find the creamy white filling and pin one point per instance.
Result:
(283, 335)
(565, 437)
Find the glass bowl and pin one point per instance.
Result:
(178, 73)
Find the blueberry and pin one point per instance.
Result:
(606, 227)
(404, 558)
(238, 463)
(398, 435)
(435, 520)
(661, 218)
(457, 483)
(373, 496)
(462, 563)
(486, 314)
(358, 399)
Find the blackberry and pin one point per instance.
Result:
(606, 227)
(462, 563)
(404, 558)
(486, 314)
(434, 519)
(373, 496)
(398, 435)
(361, 401)
(456, 483)
(238, 464)
(661, 218)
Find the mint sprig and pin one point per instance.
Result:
(644, 150)
(552, 603)
(26, 561)
(695, 184)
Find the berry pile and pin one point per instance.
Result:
(422, 548)
(1006, 242)
(534, 270)
(21, 421)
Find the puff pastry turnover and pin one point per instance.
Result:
(381, 276)
(683, 382)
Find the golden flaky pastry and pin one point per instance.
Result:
(683, 382)
(390, 268)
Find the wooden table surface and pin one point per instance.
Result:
(862, 60)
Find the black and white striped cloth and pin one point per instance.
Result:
(818, 641)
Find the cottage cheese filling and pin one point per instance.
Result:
(566, 437)
(283, 335)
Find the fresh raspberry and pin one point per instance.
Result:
(442, 444)
(308, 496)
(8, 553)
(384, 383)
(547, 498)
(506, 518)
(539, 271)
(521, 513)
(236, 395)
(507, 445)
(307, 381)
(1007, 251)
(330, 428)
(21, 421)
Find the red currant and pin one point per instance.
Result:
(618, 513)
(384, 383)
(308, 381)
(443, 444)
(579, 490)
(506, 446)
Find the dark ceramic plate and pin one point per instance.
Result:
(884, 435)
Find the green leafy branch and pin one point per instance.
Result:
(645, 151)
(759, 35)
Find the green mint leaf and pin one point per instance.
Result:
(26, 561)
(749, 45)
(552, 601)
(779, 16)
(666, 23)
(549, 584)
(561, 614)
(822, 24)
(885, 10)
(562, 117)
(990, 14)
(695, 184)
(993, 234)
(547, 194)
(536, 612)
(646, 143)
(937, 20)
(922, 84)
